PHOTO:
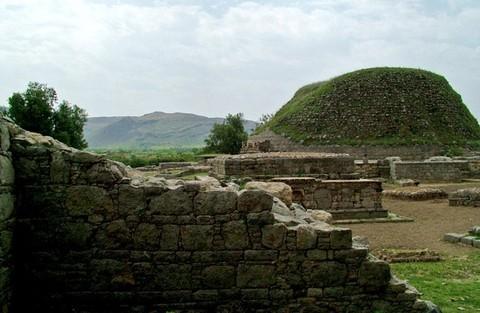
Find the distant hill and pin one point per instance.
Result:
(153, 130)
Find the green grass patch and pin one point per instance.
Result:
(137, 158)
(454, 284)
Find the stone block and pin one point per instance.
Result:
(254, 201)
(467, 240)
(131, 199)
(341, 238)
(6, 206)
(453, 237)
(74, 235)
(218, 276)
(235, 235)
(324, 274)
(260, 219)
(7, 173)
(374, 274)
(146, 237)
(306, 237)
(116, 234)
(4, 137)
(215, 202)
(273, 236)
(255, 276)
(197, 237)
(173, 277)
(261, 255)
(86, 200)
(169, 239)
(172, 202)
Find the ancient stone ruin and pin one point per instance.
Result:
(81, 234)
(268, 165)
(344, 199)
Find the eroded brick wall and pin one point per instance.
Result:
(92, 238)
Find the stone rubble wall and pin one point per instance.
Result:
(465, 197)
(344, 199)
(430, 170)
(372, 168)
(91, 238)
(267, 165)
(7, 218)
(268, 141)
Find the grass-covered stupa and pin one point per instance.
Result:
(377, 106)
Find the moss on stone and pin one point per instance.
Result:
(381, 106)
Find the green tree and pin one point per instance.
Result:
(227, 137)
(34, 110)
(68, 125)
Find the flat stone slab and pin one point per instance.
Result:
(453, 237)
(464, 239)
(392, 218)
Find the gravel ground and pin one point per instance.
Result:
(433, 219)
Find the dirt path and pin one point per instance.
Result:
(433, 219)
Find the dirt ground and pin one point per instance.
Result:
(433, 218)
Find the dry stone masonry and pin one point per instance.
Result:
(451, 170)
(267, 165)
(268, 141)
(7, 218)
(90, 237)
(472, 238)
(344, 199)
(465, 197)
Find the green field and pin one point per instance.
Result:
(453, 284)
(136, 158)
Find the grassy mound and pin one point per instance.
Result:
(385, 106)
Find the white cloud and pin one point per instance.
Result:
(125, 58)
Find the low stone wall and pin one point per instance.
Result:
(344, 199)
(430, 170)
(465, 197)
(372, 168)
(267, 165)
(89, 238)
(269, 141)
(7, 218)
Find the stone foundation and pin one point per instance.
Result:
(91, 238)
(465, 197)
(267, 165)
(430, 170)
(344, 199)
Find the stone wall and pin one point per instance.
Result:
(7, 218)
(90, 237)
(372, 168)
(267, 165)
(344, 199)
(430, 170)
(269, 141)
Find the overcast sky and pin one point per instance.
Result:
(216, 57)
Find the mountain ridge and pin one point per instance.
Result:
(152, 130)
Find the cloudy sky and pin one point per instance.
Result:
(115, 57)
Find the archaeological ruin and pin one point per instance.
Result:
(81, 233)
(372, 113)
